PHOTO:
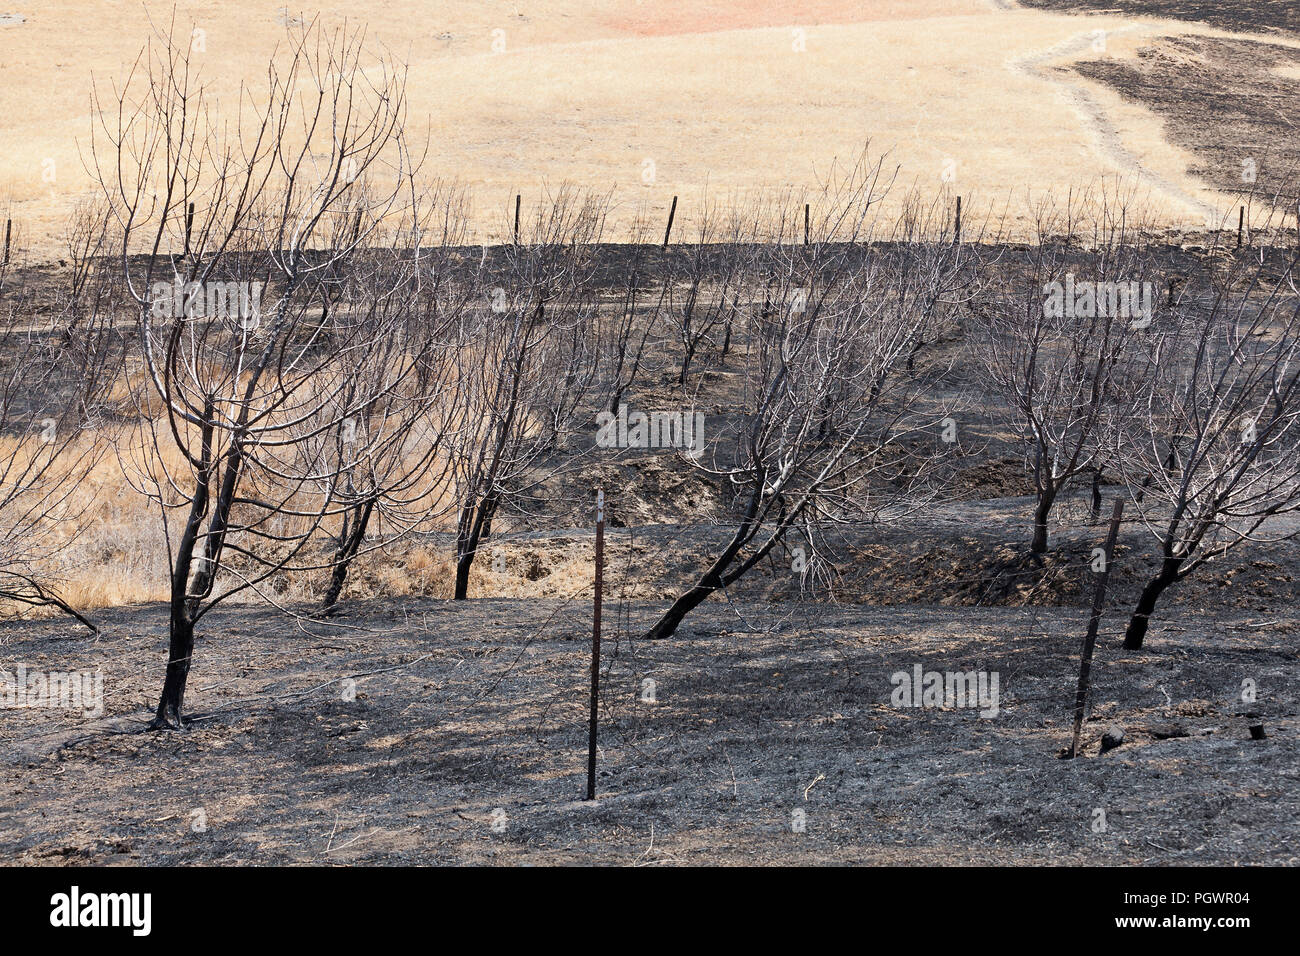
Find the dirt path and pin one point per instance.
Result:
(1094, 118)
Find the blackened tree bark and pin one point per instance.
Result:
(243, 400)
(1146, 605)
(348, 548)
(475, 527)
(1046, 498)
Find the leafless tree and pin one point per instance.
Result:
(827, 426)
(409, 395)
(1055, 342)
(527, 367)
(939, 272)
(1217, 444)
(51, 435)
(244, 378)
(702, 283)
(85, 247)
(624, 329)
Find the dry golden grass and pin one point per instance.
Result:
(720, 96)
(113, 553)
(109, 546)
(118, 557)
(112, 550)
(410, 568)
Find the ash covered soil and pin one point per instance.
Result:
(412, 729)
(465, 739)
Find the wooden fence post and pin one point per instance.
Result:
(671, 213)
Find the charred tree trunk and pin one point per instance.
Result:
(1046, 492)
(180, 648)
(721, 573)
(1041, 512)
(472, 533)
(343, 556)
(687, 602)
(1137, 625)
(464, 560)
(686, 366)
(179, 652)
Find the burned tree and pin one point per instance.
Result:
(411, 296)
(702, 285)
(826, 430)
(1218, 442)
(526, 366)
(52, 433)
(623, 331)
(243, 378)
(1059, 348)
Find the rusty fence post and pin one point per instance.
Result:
(1090, 640)
(595, 646)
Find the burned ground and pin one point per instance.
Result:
(412, 729)
(1263, 16)
(1249, 87)
(430, 731)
